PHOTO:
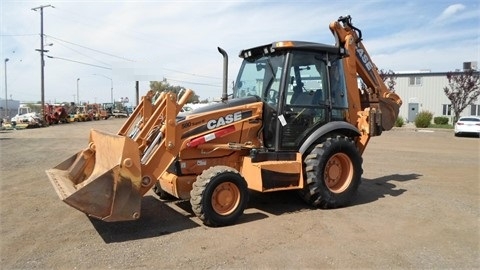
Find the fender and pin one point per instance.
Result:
(340, 126)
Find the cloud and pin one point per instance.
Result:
(450, 11)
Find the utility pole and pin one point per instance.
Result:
(78, 94)
(42, 61)
(111, 86)
(7, 115)
(137, 89)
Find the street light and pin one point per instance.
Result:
(78, 97)
(6, 96)
(111, 86)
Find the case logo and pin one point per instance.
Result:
(224, 120)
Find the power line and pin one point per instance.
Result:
(196, 83)
(85, 47)
(173, 70)
(79, 62)
(85, 20)
(17, 35)
(82, 54)
(192, 74)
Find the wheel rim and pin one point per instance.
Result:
(225, 198)
(338, 173)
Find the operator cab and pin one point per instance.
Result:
(302, 86)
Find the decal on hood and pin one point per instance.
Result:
(214, 123)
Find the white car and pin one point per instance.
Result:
(468, 125)
(119, 114)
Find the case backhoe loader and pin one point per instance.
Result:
(296, 120)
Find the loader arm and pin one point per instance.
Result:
(375, 109)
(108, 179)
(153, 127)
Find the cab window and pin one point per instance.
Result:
(260, 77)
(306, 97)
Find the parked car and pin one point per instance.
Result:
(468, 125)
(120, 114)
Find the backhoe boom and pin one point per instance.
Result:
(375, 109)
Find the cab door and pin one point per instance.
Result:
(305, 99)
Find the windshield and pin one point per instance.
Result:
(259, 77)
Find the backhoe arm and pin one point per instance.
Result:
(375, 109)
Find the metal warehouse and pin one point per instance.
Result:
(423, 91)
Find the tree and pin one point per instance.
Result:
(388, 78)
(463, 90)
(164, 86)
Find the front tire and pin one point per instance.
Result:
(333, 173)
(219, 196)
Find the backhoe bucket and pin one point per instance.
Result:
(389, 106)
(103, 180)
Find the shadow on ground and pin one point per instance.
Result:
(165, 217)
(157, 219)
(372, 190)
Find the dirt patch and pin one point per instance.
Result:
(417, 207)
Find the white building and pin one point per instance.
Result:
(423, 91)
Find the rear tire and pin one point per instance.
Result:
(333, 172)
(219, 196)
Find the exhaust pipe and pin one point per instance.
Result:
(225, 73)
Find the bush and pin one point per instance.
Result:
(440, 120)
(399, 122)
(423, 119)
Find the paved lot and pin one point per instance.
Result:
(418, 207)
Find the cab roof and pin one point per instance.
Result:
(289, 45)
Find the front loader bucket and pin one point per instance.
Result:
(103, 180)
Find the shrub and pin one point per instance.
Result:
(423, 119)
(399, 122)
(440, 120)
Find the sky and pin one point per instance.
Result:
(94, 45)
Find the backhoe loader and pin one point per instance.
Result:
(296, 120)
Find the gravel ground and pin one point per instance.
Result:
(417, 207)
